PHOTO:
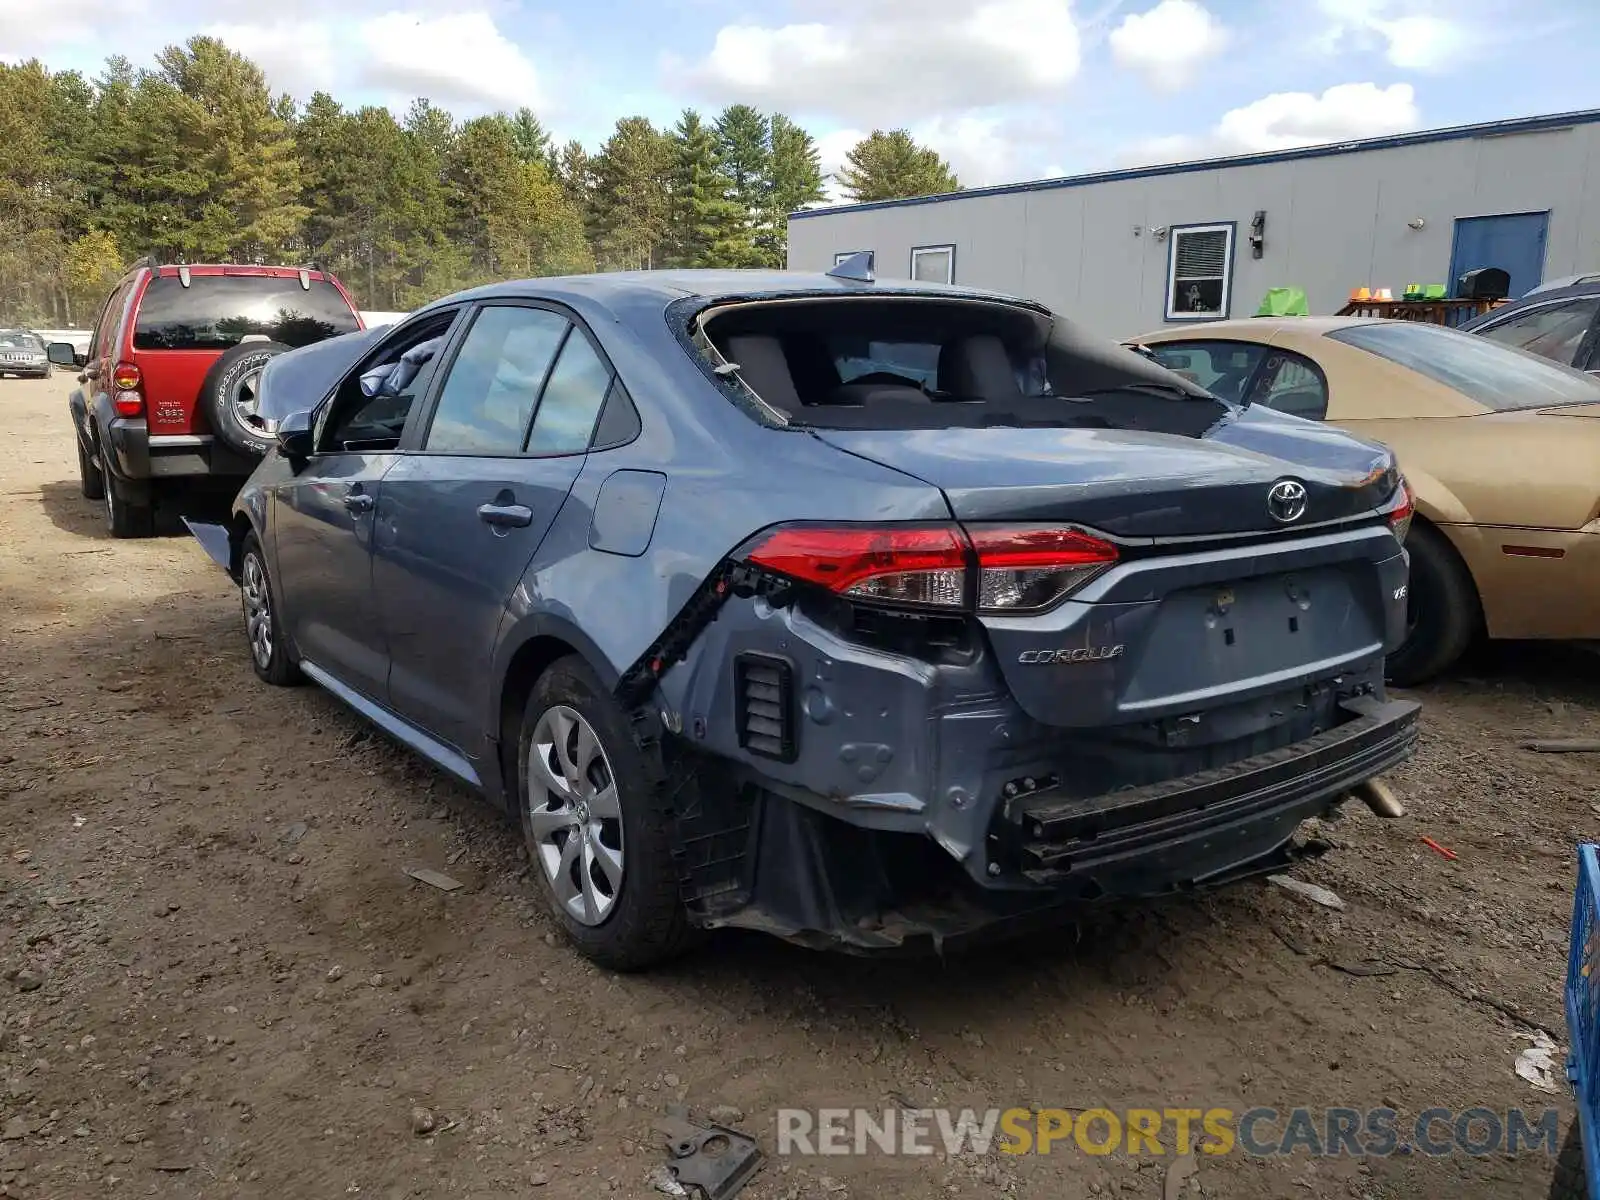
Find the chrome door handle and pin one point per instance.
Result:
(506, 515)
(359, 502)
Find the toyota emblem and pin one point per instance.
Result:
(1286, 501)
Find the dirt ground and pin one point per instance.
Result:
(218, 981)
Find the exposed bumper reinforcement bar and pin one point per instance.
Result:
(1178, 827)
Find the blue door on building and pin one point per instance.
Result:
(1514, 243)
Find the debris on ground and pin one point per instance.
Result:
(434, 878)
(1438, 849)
(1310, 891)
(717, 1160)
(662, 1179)
(1563, 745)
(422, 1121)
(1537, 1064)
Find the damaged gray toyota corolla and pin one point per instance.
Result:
(866, 614)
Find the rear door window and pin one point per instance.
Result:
(216, 312)
(488, 396)
(1222, 368)
(571, 401)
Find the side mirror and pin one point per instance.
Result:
(62, 354)
(296, 437)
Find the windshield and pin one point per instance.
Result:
(218, 311)
(1494, 375)
(19, 339)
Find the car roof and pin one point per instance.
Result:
(1257, 327)
(1553, 294)
(713, 286)
(173, 270)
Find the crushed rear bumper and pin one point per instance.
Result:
(770, 863)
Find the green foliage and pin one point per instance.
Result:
(891, 166)
(193, 158)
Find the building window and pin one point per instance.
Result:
(933, 264)
(842, 255)
(1199, 272)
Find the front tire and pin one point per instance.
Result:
(1442, 614)
(123, 518)
(597, 827)
(269, 649)
(90, 481)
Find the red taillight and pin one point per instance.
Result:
(999, 569)
(1400, 514)
(919, 565)
(127, 395)
(1024, 568)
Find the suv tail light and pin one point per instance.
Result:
(995, 569)
(127, 395)
(1400, 514)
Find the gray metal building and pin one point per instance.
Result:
(1126, 251)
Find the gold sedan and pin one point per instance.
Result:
(1501, 448)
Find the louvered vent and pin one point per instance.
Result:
(765, 687)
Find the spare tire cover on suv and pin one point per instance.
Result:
(230, 396)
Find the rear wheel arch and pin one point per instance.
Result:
(240, 527)
(527, 655)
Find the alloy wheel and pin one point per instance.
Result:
(575, 815)
(257, 599)
(244, 394)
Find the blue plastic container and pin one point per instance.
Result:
(1583, 1008)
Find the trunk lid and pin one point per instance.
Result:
(1240, 632)
(1138, 484)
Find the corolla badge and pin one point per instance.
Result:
(1077, 654)
(1286, 500)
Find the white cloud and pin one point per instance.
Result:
(1168, 43)
(1285, 120)
(1414, 35)
(297, 58)
(893, 61)
(462, 57)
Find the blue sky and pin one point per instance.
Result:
(1006, 89)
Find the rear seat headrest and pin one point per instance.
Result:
(764, 369)
(978, 366)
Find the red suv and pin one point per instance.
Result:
(168, 392)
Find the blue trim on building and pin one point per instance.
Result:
(1227, 280)
(1544, 124)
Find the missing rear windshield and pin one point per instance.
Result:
(926, 363)
(218, 311)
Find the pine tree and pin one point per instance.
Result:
(706, 226)
(891, 166)
(631, 174)
(794, 181)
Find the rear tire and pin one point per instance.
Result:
(603, 862)
(123, 518)
(1442, 609)
(1568, 1182)
(90, 482)
(229, 392)
(270, 654)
